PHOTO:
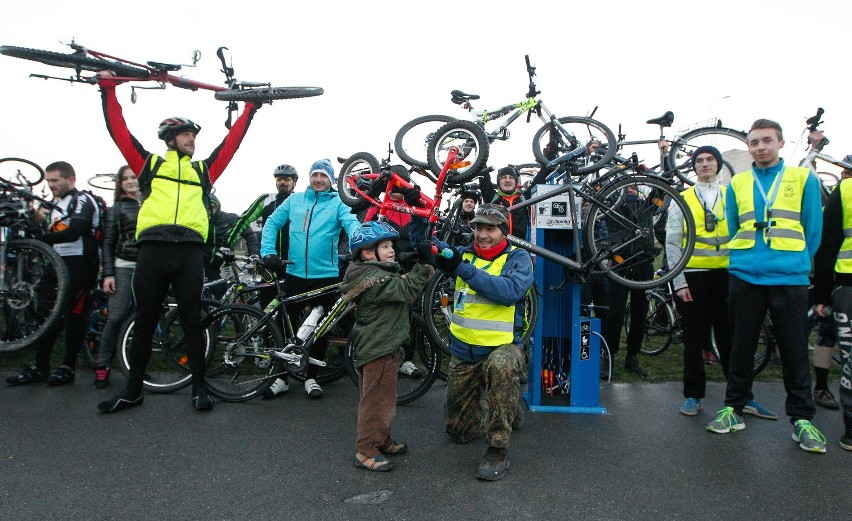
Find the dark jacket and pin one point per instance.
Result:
(383, 296)
(220, 227)
(120, 234)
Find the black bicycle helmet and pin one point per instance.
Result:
(170, 127)
(286, 170)
(369, 234)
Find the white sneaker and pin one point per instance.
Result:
(279, 386)
(312, 388)
(409, 369)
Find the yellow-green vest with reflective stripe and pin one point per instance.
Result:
(786, 232)
(844, 256)
(481, 321)
(711, 248)
(174, 191)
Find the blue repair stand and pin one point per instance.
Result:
(550, 329)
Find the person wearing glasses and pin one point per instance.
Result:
(491, 279)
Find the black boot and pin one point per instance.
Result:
(200, 399)
(124, 400)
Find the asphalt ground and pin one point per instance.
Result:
(291, 458)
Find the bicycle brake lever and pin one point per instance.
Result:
(228, 71)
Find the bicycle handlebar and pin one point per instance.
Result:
(813, 121)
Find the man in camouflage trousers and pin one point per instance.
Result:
(491, 279)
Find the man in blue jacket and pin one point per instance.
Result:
(491, 279)
(775, 223)
(316, 217)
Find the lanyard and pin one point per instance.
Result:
(721, 215)
(769, 201)
(473, 262)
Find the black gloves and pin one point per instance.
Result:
(424, 252)
(448, 265)
(273, 262)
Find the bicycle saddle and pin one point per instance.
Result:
(460, 97)
(164, 66)
(664, 121)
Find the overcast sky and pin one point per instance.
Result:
(383, 63)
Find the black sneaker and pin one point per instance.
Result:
(61, 375)
(120, 402)
(28, 375)
(494, 464)
(200, 399)
(846, 439)
(101, 377)
(631, 363)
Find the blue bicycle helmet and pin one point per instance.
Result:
(370, 234)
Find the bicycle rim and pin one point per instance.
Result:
(36, 286)
(552, 142)
(261, 94)
(473, 150)
(356, 165)
(731, 143)
(633, 247)
(412, 139)
(659, 326)
(79, 62)
(242, 364)
(20, 172)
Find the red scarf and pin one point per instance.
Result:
(490, 253)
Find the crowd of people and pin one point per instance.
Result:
(755, 243)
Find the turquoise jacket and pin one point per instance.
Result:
(315, 223)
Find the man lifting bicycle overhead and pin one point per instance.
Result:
(172, 227)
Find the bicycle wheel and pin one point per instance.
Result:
(241, 362)
(731, 143)
(357, 164)
(412, 139)
(659, 325)
(765, 347)
(34, 291)
(97, 318)
(472, 143)
(102, 181)
(423, 354)
(632, 247)
(168, 369)
(78, 61)
(261, 94)
(551, 142)
(20, 172)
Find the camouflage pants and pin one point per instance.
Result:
(495, 376)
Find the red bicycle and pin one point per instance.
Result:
(84, 60)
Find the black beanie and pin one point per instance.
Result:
(707, 149)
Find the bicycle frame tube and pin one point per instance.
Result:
(159, 76)
(340, 309)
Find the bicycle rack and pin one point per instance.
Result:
(565, 328)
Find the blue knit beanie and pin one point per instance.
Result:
(707, 149)
(324, 166)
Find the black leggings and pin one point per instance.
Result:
(162, 265)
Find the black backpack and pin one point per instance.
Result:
(99, 220)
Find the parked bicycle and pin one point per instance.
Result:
(426, 141)
(33, 277)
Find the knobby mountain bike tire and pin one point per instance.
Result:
(632, 248)
(30, 173)
(34, 293)
(473, 150)
(727, 140)
(424, 354)
(356, 165)
(168, 369)
(262, 94)
(551, 142)
(79, 62)
(412, 139)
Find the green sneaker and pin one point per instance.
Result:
(808, 437)
(726, 421)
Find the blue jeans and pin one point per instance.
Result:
(120, 306)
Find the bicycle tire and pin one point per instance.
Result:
(96, 313)
(357, 164)
(659, 323)
(102, 181)
(680, 154)
(38, 289)
(631, 240)
(240, 367)
(425, 356)
(27, 162)
(75, 61)
(473, 150)
(765, 347)
(410, 138)
(168, 368)
(582, 130)
(263, 94)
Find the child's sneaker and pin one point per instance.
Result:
(690, 407)
(101, 377)
(278, 387)
(808, 437)
(410, 370)
(726, 421)
(312, 388)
